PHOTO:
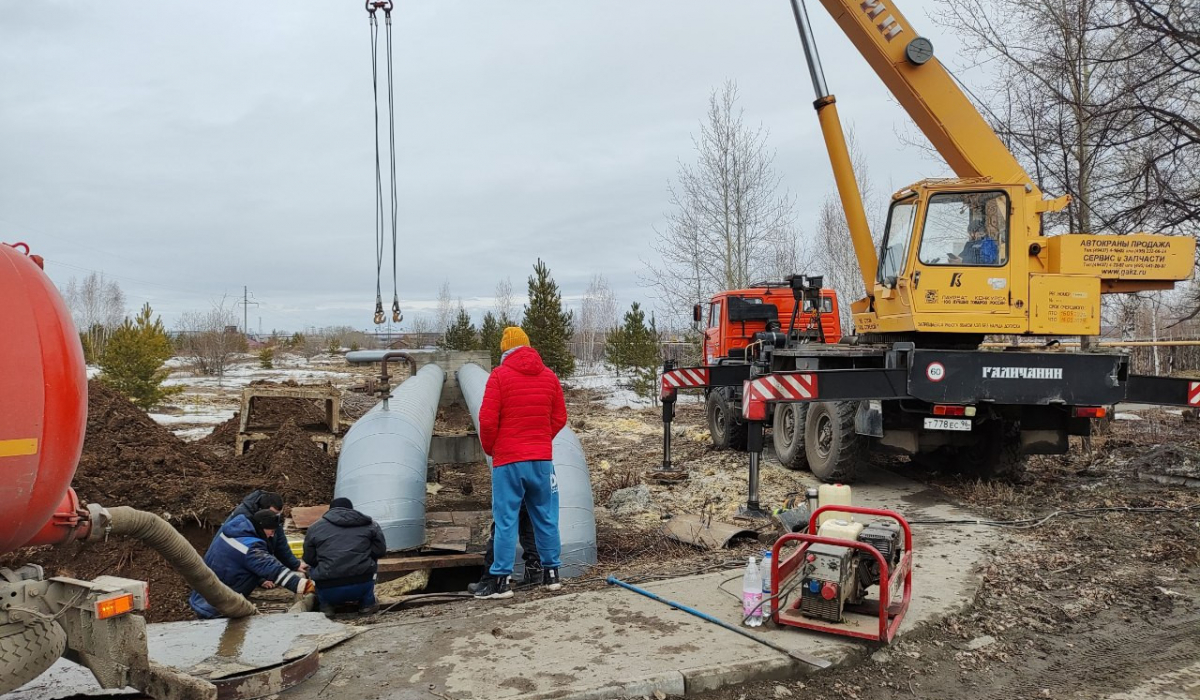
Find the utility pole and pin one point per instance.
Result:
(246, 304)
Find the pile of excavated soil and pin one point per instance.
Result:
(290, 463)
(130, 460)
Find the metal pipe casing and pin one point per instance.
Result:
(385, 456)
(576, 511)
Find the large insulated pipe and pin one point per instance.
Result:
(385, 457)
(576, 512)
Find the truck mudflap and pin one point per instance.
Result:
(967, 377)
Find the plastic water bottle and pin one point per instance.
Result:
(752, 594)
(766, 585)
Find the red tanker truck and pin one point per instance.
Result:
(43, 415)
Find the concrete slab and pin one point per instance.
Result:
(614, 643)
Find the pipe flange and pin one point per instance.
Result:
(101, 522)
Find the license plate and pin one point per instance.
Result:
(947, 424)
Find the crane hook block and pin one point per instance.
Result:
(379, 318)
(397, 317)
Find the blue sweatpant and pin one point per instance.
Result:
(535, 484)
(361, 593)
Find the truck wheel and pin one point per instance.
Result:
(830, 443)
(788, 434)
(728, 433)
(996, 454)
(29, 651)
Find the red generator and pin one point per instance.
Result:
(831, 575)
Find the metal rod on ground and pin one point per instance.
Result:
(797, 655)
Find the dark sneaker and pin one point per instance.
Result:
(472, 587)
(494, 588)
(551, 580)
(532, 577)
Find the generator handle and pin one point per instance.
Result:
(878, 512)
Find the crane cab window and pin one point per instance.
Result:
(966, 229)
(895, 240)
(714, 314)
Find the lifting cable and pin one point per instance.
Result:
(380, 226)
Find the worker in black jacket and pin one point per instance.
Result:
(343, 549)
(278, 544)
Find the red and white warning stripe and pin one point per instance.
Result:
(776, 387)
(784, 387)
(684, 378)
(1194, 394)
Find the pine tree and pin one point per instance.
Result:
(491, 332)
(461, 333)
(133, 358)
(633, 347)
(549, 327)
(616, 350)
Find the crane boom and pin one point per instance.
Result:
(927, 91)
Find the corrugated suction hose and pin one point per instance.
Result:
(179, 553)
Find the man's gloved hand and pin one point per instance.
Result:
(303, 568)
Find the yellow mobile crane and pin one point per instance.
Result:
(968, 255)
(960, 258)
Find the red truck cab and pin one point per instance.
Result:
(734, 316)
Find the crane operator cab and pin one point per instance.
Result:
(968, 256)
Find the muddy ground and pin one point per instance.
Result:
(1076, 606)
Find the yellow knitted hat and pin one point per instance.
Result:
(514, 337)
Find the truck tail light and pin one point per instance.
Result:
(1090, 412)
(111, 607)
(954, 410)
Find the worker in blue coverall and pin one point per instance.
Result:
(242, 560)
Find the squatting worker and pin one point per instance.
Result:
(343, 549)
(260, 500)
(523, 409)
(241, 558)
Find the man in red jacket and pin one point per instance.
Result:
(523, 409)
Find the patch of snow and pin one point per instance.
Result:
(239, 376)
(192, 434)
(194, 417)
(616, 393)
(1126, 416)
(92, 371)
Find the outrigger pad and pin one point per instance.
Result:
(704, 532)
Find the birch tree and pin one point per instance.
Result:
(730, 216)
(97, 306)
(597, 314)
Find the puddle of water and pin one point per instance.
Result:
(220, 648)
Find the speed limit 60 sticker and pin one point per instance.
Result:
(936, 371)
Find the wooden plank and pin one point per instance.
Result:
(391, 565)
(471, 518)
(452, 539)
(438, 519)
(305, 516)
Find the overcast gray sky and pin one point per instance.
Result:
(188, 149)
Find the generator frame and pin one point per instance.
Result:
(889, 613)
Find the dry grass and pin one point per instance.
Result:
(614, 479)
